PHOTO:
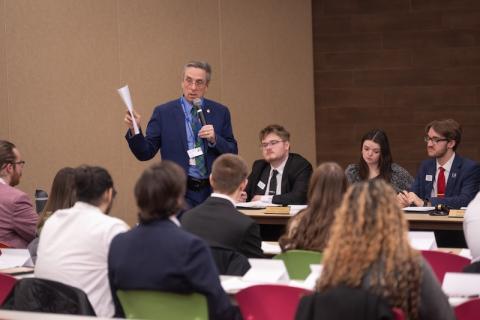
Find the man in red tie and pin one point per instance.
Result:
(446, 178)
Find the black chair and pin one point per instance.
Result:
(42, 295)
(230, 262)
(41, 198)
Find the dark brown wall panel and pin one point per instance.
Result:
(395, 65)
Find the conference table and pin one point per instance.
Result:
(416, 221)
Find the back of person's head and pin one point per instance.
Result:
(275, 129)
(91, 183)
(160, 190)
(327, 186)
(448, 128)
(6, 153)
(369, 247)
(229, 171)
(385, 161)
(62, 194)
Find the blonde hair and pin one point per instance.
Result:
(369, 247)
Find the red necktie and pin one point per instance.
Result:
(441, 183)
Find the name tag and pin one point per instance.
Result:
(261, 185)
(428, 177)
(195, 152)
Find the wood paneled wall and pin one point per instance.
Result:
(395, 65)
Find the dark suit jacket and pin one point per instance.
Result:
(166, 131)
(295, 179)
(218, 223)
(162, 256)
(462, 185)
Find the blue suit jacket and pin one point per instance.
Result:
(166, 131)
(462, 185)
(162, 256)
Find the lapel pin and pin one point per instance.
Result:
(208, 110)
(454, 174)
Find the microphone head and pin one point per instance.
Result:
(197, 102)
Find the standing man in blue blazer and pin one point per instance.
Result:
(177, 129)
(446, 178)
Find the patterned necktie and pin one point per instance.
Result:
(272, 190)
(441, 183)
(196, 126)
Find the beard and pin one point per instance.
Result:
(14, 179)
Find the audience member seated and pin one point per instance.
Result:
(471, 227)
(369, 248)
(62, 196)
(216, 220)
(446, 178)
(17, 215)
(376, 162)
(280, 177)
(158, 254)
(310, 228)
(74, 242)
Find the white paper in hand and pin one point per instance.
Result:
(124, 93)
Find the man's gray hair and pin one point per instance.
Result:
(200, 65)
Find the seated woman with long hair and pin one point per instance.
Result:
(310, 228)
(369, 248)
(376, 162)
(62, 196)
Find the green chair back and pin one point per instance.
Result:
(298, 262)
(152, 305)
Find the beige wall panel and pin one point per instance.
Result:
(268, 71)
(4, 108)
(63, 62)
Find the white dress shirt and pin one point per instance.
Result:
(448, 167)
(73, 249)
(268, 198)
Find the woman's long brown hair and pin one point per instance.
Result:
(327, 186)
(369, 247)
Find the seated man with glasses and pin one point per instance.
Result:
(18, 219)
(446, 178)
(183, 136)
(280, 177)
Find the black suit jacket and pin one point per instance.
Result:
(295, 179)
(221, 225)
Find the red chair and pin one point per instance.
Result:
(468, 310)
(7, 282)
(443, 262)
(269, 302)
(398, 313)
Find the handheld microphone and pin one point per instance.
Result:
(197, 104)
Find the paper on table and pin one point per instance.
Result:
(418, 209)
(461, 284)
(422, 240)
(466, 253)
(255, 205)
(267, 271)
(12, 258)
(124, 93)
(271, 247)
(294, 209)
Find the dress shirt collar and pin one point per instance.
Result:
(280, 168)
(448, 165)
(223, 196)
(2, 181)
(175, 220)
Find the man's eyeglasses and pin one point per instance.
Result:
(264, 145)
(434, 140)
(22, 163)
(198, 83)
